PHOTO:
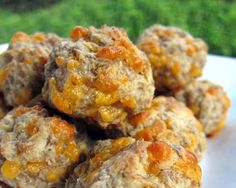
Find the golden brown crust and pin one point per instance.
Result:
(125, 162)
(102, 72)
(37, 150)
(208, 102)
(176, 57)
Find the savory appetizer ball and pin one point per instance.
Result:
(127, 163)
(99, 74)
(176, 57)
(3, 108)
(22, 66)
(37, 150)
(208, 102)
(166, 119)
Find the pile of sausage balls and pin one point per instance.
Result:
(96, 110)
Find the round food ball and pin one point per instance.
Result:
(176, 57)
(208, 102)
(37, 150)
(128, 163)
(166, 119)
(22, 66)
(100, 75)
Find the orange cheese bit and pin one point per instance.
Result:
(54, 174)
(107, 113)
(22, 109)
(60, 61)
(10, 169)
(62, 129)
(112, 53)
(129, 102)
(123, 49)
(72, 151)
(78, 32)
(67, 99)
(106, 98)
(133, 58)
(106, 81)
(20, 37)
(189, 167)
(195, 71)
(140, 117)
(23, 37)
(116, 146)
(35, 166)
(39, 37)
(3, 75)
(150, 133)
(32, 128)
(67, 146)
(158, 152)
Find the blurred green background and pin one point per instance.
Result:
(212, 20)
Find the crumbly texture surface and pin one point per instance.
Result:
(98, 74)
(128, 163)
(22, 66)
(177, 57)
(167, 119)
(37, 150)
(208, 102)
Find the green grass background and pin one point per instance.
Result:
(212, 20)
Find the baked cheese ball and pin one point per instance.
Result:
(166, 119)
(99, 74)
(22, 66)
(128, 163)
(209, 103)
(177, 57)
(37, 150)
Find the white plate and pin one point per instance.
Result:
(219, 163)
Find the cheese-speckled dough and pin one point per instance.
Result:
(37, 150)
(177, 57)
(99, 74)
(127, 163)
(209, 103)
(166, 119)
(22, 66)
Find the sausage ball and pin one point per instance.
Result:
(100, 75)
(208, 102)
(37, 150)
(176, 57)
(22, 66)
(166, 119)
(128, 163)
